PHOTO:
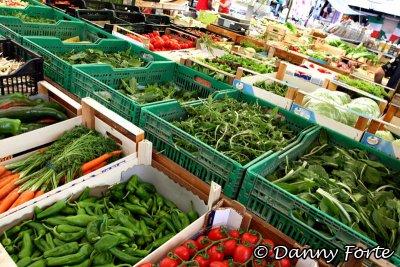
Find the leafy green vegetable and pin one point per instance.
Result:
(154, 92)
(216, 75)
(239, 130)
(27, 18)
(275, 87)
(291, 27)
(247, 43)
(122, 59)
(347, 184)
(366, 86)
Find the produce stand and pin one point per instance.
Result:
(178, 5)
(224, 32)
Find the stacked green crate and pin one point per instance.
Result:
(295, 216)
(203, 160)
(102, 83)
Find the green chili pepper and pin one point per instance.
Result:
(6, 241)
(159, 201)
(136, 209)
(154, 208)
(104, 224)
(85, 194)
(124, 220)
(14, 258)
(148, 187)
(140, 241)
(133, 199)
(132, 184)
(14, 230)
(36, 254)
(159, 229)
(118, 191)
(24, 262)
(169, 204)
(184, 219)
(159, 242)
(149, 222)
(106, 242)
(85, 263)
(58, 242)
(124, 230)
(39, 263)
(56, 220)
(176, 222)
(69, 237)
(192, 213)
(150, 203)
(145, 231)
(81, 255)
(66, 228)
(169, 225)
(36, 211)
(102, 258)
(49, 241)
(38, 228)
(52, 210)
(26, 250)
(66, 249)
(41, 245)
(124, 257)
(10, 249)
(142, 193)
(137, 252)
(68, 210)
(80, 220)
(92, 231)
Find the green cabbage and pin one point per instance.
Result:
(385, 135)
(361, 106)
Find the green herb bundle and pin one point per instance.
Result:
(122, 59)
(27, 18)
(216, 75)
(154, 92)
(239, 130)
(368, 87)
(275, 87)
(347, 184)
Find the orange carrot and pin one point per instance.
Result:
(2, 170)
(6, 173)
(9, 200)
(24, 197)
(6, 180)
(102, 164)
(6, 189)
(39, 193)
(93, 163)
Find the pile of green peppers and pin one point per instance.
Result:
(117, 229)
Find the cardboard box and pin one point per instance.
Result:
(94, 116)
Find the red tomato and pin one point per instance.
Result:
(285, 262)
(270, 244)
(182, 252)
(203, 241)
(219, 264)
(234, 233)
(156, 33)
(165, 37)
(192, 245)
(259, 263)
(169, 262)
(242, 254)
(216, 253)
(147, 264)
(151, 47)
(249, 238)
(203, 261)
(229, 247)
(217, 233)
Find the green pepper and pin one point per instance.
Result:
(104, 224)
(85, 194)
(49, 241)
(106, 242)
(159, 229)
(118, 191)
(184, 219)
(92, 231)
(154, 208)
(142, 193)
(136, 209)
(124, 257)
(69, 237)
(192, 213)
(81, 255)
(14, 230)
(137, 252)
(39, 263)
(38, 228)
(148, 187)
(133, 199)
(26, 250)
(10, 126)
(124, 230)
(14, 258)
(176, 222)
(10, 249)
(66, 249)
(102, 258)
(58, 242)
(32, 114)
(80, 220)
(68, 210)
(6, 241)
(66, 228)
(132, 184)
(56, 220)
(24, 262)
(159, 201)
(158, 242)
(41, 245)
(85, 263)
(150, 222)
(52, 210)
(169, 204)
(169, 225)
(37, 210)
(145, 231)
(150, 203)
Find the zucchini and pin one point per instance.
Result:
(32, 114)
(9, 126)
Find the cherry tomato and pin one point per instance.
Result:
(270, 244)
(203, 261)
(182, 252)
(147, 264)
(219, 264)
(229, 247)
(249, 238)
(242, 254)
(151, 47)
(203, 241)
(217, 233)
(285, 262)
(216, 253)
(169, 262)
(192, 245)
(234, 233)
(259, 263)
(165, 37)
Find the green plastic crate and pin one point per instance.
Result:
(206, 163)
(94, 80)
(60, 71)
(13, 27)
(277, 206)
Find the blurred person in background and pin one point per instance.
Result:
(392, 70)
(279, 4)
(224, 6)
(204, 5)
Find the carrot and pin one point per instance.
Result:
(9, 200)
(39, 193)
(6, 173)
(24, 197)
(102, 164)
(6, 189)
(93, 163)
(2, 170)
(7, 179)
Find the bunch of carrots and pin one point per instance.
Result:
(77, 152)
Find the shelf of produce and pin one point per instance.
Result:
(94, 116)
(275, 205)
(178, 5)
(289, 56)
(224, 32)
(201, 159)
(46, 92)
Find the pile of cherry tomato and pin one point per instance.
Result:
(222, 248)
(168, 42)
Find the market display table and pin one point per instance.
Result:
(178, 5)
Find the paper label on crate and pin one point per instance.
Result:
(303, 112)
(244, 87)
(380, 144)
(147, 57)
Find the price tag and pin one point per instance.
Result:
(378, 143)
(244, 87)
(303, 112)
